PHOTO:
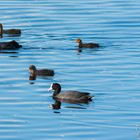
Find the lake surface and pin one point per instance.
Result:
(111, 73)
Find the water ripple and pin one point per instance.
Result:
(111, 73)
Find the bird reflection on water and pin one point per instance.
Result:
(57, 105)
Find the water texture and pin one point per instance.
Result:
(111, 73)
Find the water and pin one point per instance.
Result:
(110, 73)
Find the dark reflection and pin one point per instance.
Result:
(9, 52)
(56, 105)
(35, 48)
(12, 35)
(32, 78)
(79, 50)
(13, 56)
(45, 77)
(76, 105)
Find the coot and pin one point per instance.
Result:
(70, 96)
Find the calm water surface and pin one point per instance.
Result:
(110, 73)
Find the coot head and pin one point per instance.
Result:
(32, 69)
(78, 40)
(56, 87)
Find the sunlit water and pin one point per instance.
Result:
(110, 73)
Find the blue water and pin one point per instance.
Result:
(110, 73)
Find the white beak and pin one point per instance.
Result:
(50, 88)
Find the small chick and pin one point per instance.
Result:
(9, 31)
(42, 72)
(86, 45)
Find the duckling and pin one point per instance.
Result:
(70, 96)
(9, 31)
(42, 72)
(86, 45)
(11, 45)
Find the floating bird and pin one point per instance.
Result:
(70, 96)
(11, 45)
(42, 72)
(9, 31)
(86, 45)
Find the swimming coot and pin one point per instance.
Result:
(42, 72)
(86, 45)
(70, 96)
(11, 45)
(9, 31)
